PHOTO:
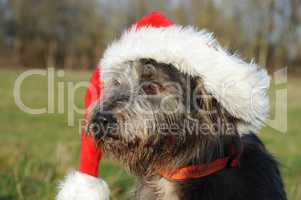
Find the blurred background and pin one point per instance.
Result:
(71, 35)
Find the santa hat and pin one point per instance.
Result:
(238, 86)
(84, 184)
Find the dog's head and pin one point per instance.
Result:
(153, 116)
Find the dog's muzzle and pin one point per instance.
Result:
(103, 124)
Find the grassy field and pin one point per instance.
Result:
(37, 150)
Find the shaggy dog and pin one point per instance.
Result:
(156, 120)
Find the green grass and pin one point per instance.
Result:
(37, 150)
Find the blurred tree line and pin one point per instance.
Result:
(74, 33)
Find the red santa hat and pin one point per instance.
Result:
(238, 86)
(84, 184)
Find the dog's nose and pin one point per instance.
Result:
(101, 123)
(105, 118)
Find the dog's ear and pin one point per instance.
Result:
(206, 109)
(201, 100)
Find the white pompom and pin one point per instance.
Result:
(80, 186)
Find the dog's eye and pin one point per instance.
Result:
(151, 88)
(149, 71)
(115, 82)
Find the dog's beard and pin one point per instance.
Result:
(147, 136)
(145, 140)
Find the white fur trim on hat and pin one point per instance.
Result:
(80, 186)
(238, 86)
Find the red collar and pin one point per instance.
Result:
(202, 170)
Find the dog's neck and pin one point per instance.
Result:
(166, 186)
(202, 170)
(156, 188)
(166, 190)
